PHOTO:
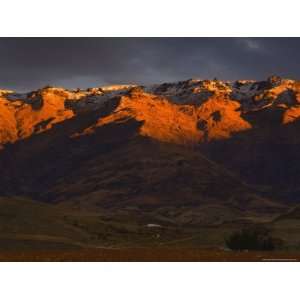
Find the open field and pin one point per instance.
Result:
(148, 255)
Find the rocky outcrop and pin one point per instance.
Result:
(186, 112)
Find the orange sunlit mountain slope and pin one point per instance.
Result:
(191, 157)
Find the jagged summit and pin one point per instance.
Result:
(184, 112)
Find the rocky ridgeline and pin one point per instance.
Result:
(184, 112)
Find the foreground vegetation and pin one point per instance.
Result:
(148, 254)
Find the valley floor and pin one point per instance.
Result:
(148, 255)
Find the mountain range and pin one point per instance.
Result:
(181, 164)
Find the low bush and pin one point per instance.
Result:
(251, 238)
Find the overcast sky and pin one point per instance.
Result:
(30, 63)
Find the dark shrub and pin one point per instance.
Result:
(252, 238)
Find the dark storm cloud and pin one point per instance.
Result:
(28, 63)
